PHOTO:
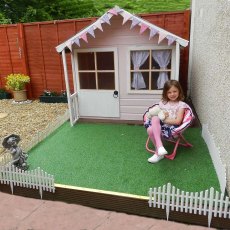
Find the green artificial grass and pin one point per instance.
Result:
(113, 157)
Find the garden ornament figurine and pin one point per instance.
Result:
(19, 157)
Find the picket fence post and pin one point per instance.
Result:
(168, 200)
(150, 197)
(211, 195)
(10, 178)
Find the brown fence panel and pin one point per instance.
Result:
(29, 48)
(7, 50)
(49, 40)
(15, 49)
(35, 57)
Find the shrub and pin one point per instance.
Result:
(17, 81)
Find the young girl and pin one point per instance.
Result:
(173, 108)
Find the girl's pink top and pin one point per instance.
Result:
(172, 107)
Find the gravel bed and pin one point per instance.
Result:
(27, 119)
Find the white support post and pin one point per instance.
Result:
(74, 72)
(39, 182)
(168, 200)
(210, 208)
(75, 99)
(67, 85)
(11, 179)
(177, 61)
(150, 197)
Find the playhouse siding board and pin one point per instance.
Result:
(36, 52)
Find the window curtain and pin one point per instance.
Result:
(162, 57)
(138, 59)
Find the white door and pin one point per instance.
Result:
(97, 82)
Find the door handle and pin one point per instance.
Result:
(115, 94)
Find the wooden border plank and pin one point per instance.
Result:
(115, 202)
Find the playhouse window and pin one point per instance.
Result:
(96, 70)
(149, 69)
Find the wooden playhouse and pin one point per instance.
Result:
(119, 64)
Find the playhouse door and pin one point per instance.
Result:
(98, 93)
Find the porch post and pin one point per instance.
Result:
(67, 85)
(177, 61)
(74, 72)
(74, 95)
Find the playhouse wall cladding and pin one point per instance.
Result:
(30, 48)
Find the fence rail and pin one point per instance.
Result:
(36, 179)
(209, 202)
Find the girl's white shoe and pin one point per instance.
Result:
(162, 151)
(155, 158)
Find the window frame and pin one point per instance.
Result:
(143, 48)
(96, 71)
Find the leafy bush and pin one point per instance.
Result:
(17, 81)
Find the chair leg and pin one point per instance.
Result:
(186, 143)
(173, 154)
(147, 147)
(177, 143)
(169, 156)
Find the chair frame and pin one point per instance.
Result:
(178, 141)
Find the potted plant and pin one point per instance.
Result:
(53, 97)
(4, 94)
(17, 83)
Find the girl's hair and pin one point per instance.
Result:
(168, 85)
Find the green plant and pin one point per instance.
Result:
(4, 94)
(54, 93)
(16, 81)
(53, 97)
(2, 90)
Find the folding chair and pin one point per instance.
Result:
(176, 136)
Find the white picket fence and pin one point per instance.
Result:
(35, 179)
(206, 202)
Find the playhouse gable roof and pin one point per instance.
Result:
(136, 21)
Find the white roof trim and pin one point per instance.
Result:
(127, 16)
